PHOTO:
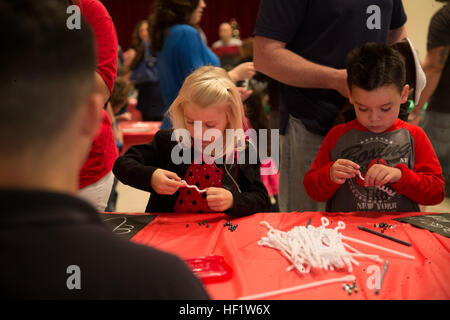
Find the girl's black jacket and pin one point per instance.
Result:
(135, 168)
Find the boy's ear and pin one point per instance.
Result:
(349, 94)
(92, 115)
(405, 93)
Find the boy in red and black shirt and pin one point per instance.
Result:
(376, 162)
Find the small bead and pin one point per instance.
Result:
(207, 225)
(187, 226)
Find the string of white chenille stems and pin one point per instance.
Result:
(382, 188)
(322, 247)
(310, 247)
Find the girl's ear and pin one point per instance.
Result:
(405, 93)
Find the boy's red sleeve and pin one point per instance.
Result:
(317, 182)
(425, 183)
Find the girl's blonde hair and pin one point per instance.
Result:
(210, 86)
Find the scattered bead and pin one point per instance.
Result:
(349, 287)
(230, 226)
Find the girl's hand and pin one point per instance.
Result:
(380, 174)
(343, 169)
(219, 199)
(165, 182)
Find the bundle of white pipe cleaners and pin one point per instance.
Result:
(322, 247)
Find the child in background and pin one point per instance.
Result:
(257, 118)
(118, 102)
(208, 97)
(376, 162)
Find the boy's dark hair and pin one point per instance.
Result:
(47, 71)
(375, 65)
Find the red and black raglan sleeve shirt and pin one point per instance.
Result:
(402, 146)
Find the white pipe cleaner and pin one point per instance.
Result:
(382, 188)
(193, 187)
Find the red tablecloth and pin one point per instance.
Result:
(137, 132)
(260, 269)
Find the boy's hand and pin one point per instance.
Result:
(343, 169)
(219, 199)
(165, 182)
(380, 174)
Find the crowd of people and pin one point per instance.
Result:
(67, 89)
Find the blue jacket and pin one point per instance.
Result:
(182, 53)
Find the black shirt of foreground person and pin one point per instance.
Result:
(44, 235)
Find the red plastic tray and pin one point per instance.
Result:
(210, 269)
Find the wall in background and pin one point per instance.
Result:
(126, 14)
(419, 14)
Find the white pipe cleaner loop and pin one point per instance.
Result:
(385, 189)
(341, 226)
(325, 222)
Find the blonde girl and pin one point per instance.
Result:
(209, 139)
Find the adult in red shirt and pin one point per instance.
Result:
(96, 177)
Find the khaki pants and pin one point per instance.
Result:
(98, 193)
(298, 149)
